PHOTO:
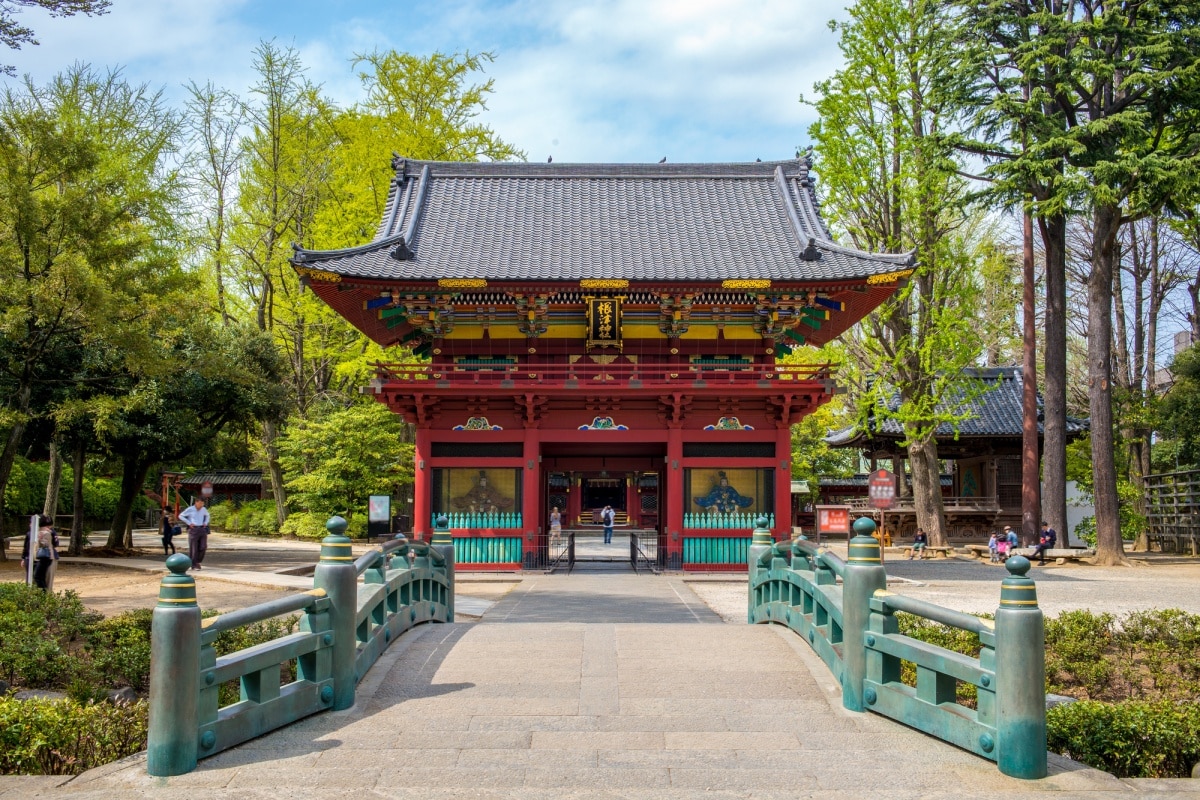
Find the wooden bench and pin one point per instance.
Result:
(1060, 555)
(980, 551)
(938, 552)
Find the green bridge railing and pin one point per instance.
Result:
(852, 626)
(346, 625)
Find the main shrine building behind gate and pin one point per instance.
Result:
(596, 335)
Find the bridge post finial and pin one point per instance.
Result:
(1020, 676)
(864, 575)
(172, 746)
(444, 544)
(335, 574)
(760, 542)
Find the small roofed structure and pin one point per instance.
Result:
(235, 486)
(984, 489)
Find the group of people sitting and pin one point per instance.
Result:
(1004, 544)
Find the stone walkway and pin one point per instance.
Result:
(597, 686)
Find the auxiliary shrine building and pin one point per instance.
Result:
(599, 334)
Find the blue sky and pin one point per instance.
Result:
(589, 80)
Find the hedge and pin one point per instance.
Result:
(64, 737)
(1131, 739)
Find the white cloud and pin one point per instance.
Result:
(584, 80)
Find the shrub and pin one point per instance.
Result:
(42, 635)
(63, 737)
(304, 525)
(120, 648)
(1132, 739)
(256, 517)
(1076, 643)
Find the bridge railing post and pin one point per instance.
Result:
(444, 544)
(864, 574)
(173, 742)
(1020, 676)
(335, 574)
(760, 542)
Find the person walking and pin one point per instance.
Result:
(994, 547)
(44, 555)
(606, 518)
(555, 527)
(196, 518)
(169, 531)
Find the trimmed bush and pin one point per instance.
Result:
(256, 518)
(1132, 739)
(63, 737)
(43, 636)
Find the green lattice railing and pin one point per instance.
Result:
(851, 625)
(346, 626)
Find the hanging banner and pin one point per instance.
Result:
(604, 321)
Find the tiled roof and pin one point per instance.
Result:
(996, 412)
(664, 222)
(860, 481)
(225, 477)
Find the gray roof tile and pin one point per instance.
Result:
(995, 412)
(682, 222)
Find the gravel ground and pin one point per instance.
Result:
(973, 586)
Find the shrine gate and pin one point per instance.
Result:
(597, 335)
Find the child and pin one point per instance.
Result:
(994, 547)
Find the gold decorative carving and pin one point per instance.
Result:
(888, 277)
(319, 275)
(748, 283)
(462, 283)
(603, 283)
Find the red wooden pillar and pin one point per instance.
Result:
(783, 482)
(674, 496)
(632, 508)
(422, 485)
(530, 489)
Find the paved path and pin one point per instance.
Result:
(536, 703)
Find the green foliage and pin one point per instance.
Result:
(256, 517)
(343, 455)
(1076, 642)
(120, 649)
(63, 737)
(42, 636)
(1179, 419)
(305, 525)
(1130, 739)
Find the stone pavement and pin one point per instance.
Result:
(596, 686)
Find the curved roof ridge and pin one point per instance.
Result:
(301, 255)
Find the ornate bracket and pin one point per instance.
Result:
(530, 408)
(676, 311)
(432, 316)
(533, 314)
(672, 408)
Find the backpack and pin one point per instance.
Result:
(608, 517)
(45, 538)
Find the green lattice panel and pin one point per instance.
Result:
(716, 550)
(488, 550)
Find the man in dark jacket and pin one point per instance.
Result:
(1046, 542)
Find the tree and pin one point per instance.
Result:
(209, 378)
(13, 34)
(340, 456)
(85, 199)
(890, 182)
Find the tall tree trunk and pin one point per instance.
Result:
(133, 478)
(1109, 548)
(8, 455)
(53, 481)
(1031, 491)
(78, 460)
(270, 436)
(927, 491)
(1054, 401)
